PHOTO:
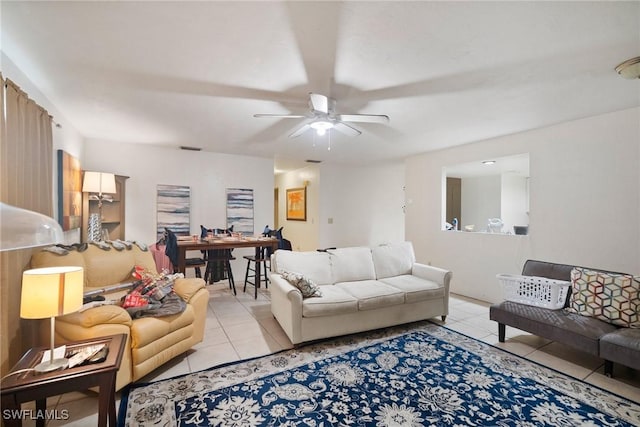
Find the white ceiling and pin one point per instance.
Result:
(446, 73)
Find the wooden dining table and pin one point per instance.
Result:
(223, 243)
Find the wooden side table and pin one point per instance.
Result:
(28, 386)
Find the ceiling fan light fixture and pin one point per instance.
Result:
(321, 126)
(630, 69)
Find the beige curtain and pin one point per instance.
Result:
(26, 168)
(27, 159)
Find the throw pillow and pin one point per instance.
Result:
(613, 298)
(306, 285)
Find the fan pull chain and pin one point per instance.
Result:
(329, 134)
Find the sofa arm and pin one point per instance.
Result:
(437, 275)
(104, 314)
(187, 288)
(93, 323)
(200, 303)
(434, 274)
(286, 307)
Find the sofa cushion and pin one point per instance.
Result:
(104, 268)
(314, 265)
(148, 329)
(45, 258)
(393, 259)
(352, 264)
(332, 302)
(372, 294)
(610, 297)
(415, 288)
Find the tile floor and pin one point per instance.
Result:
(240, 327)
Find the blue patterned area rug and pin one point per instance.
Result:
(414, 375)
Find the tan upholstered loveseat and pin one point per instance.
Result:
(151, 341)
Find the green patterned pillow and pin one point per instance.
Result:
(613, 298)
(306, 285)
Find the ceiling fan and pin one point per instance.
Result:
(323, 118)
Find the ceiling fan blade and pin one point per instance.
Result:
(280, 116)
(346, 129)
(319, 103)
(363, 118)
(302, 129)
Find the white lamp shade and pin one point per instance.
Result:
(21, 228)
(51, 292)
(99, 182)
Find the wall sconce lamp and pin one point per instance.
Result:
(98, 183)
(51, 292)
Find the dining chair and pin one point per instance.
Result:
(218, 260)
(171, 251)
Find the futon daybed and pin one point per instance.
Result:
(600, 338)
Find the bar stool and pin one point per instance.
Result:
(257, 264)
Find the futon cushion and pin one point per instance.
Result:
(372, 294)
(415, 288)
(610, 297)
(622, 346)
(577, 331)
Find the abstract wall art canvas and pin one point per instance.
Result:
(69, 191)
(240, 210)
(173, 206)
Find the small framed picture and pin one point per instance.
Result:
(297, 204)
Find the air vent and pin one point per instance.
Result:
(313, 161)
(184, 147)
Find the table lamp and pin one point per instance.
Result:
(101, 183)
(51, 292)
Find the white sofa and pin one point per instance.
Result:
(362, 289)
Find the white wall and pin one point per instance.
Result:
(207, 174)
(303, 235)
(346, 206)
(364, 204)
(480, 199)
(514, 201)
(584, 203)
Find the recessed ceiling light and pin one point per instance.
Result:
(630, 69)
(489, 162)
